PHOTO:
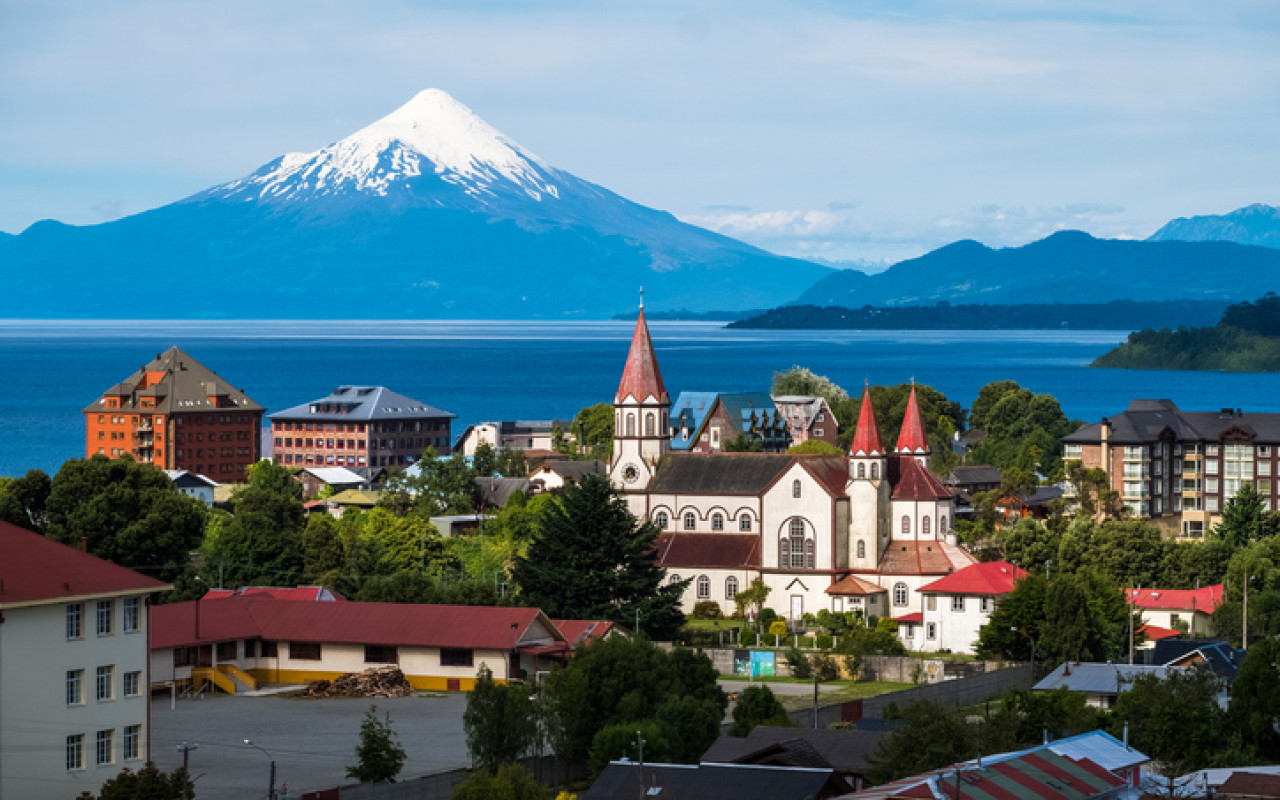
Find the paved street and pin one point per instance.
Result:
(312, 741)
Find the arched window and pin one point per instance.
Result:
(875, 472)
(942, 524)
(862, 470)
(717, 522)
(690, 521)
(631, 424)
(744, 522)
(795, 488)
(797, 546)
(900, 594)
(660, 519)
(862, 549)
(784, 552)
(906, 524)
(924, 526)
(797, 528)
(808, 554)
(674, 579)
(730, 587)
(704, 587)
(649, 424)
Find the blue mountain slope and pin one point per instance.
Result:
(1257, 224)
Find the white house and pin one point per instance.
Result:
(955, 607)
(193, 484)
(73, 668)
(1189, 610)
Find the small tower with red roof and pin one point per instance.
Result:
(867, 456)
(641, 410)
(912, 440)
(868, 490)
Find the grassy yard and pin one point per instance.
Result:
(846, 690)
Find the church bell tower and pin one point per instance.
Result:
(641, 412)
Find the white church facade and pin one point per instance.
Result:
(857, 532)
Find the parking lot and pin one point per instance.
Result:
(312, 741)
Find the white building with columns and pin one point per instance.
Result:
(863, 531)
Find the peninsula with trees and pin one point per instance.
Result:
(1246, 339)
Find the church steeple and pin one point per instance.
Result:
(641, 379)
(913, 440)
(866, 439)
(641, 414)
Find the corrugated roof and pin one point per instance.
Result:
(708, 550)
(35, 569)
(929, 557)
(332, 475)
(690, 411)
(1247, 784)
(623, 780)
(718, 473)
(1205, 599)
(641, 378)
(852, 585)
(989, 578)
(361, 404)
(185, 385)
(912, 481)
(1096, 678)
(274, 619)
(845, 750)
(311, 593)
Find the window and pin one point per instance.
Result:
(942, 524)
(957, 602)
(106, 750)
(132, 614)
(1194, 529)
(784, 552)
(795, 488)
(133, 683)
(931, 630)
(226, 651)
(674, 579)
(717, 522)
(660, 519)
(381, 654)
(984, 605)
(730, 587)
(875, 472)
(931, 602)
(270, 649)
(690, 521)
(704, 587)
(900, 594)
(1264, 468)
(906, 524)
(250, 648)
(649, 424)
(75, 751)
(744, 523)
(817, 432)
(862, 470)
(75, 687)
(455, 657)
(132, 742)
(106, 683)
(862, 549)
(631, 424)
(75, 620)
(304, 651)
(924, 525)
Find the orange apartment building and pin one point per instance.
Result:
(177, 414)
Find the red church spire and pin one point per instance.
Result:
(912, 438)
(866, 438)
(642, 378)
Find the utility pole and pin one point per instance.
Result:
(1133, 596)
(815, 700)
(1244, 640)
(644, 784)
(185, 748)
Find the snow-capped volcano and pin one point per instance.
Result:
(432, 136)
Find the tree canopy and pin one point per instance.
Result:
(379, 755)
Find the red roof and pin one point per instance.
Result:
(711, 550)
(866, 439)
(266, 617)
(33, 568)
(1206, 599)
(990, 578)
(641, 378)
(853, 586)
(1155, 633)
(914, 617)
(313, 593)
(831, 472)
(928, 557)
(911, 480)
(912, 438)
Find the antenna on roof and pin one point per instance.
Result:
(642, 297)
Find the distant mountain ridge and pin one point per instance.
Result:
(1256, 224)
(1067, 267)
(427, 213)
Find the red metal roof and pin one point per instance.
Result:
(866, 439)
(313, 593)
(33, 568)
(928, 557)
(579, 631)
(266, 617)
(912, 481)
(1206, 598)
(1155, 633)
(914, 617)
(912, 438)
(831, 472)
(990, 578)
(641, 378)
(712, 550)
(853, 586)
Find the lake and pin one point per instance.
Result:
(540, 370)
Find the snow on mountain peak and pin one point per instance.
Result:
(432, 133)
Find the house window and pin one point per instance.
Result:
(924, 525)
(75, 687)
(817, 432)
(744, 523)
(704, 587)
(906, 524)
(270, 649)
(957, 602)
(784, 552)
(381, 654)
(106, 683)
(795, 488)
(132, 614)
(931, 630)
(942, 524)
(690, 521)
(106, 750)
(900, 594)
(730, 587)
(660, 519)
(674, 579)
(132, 742)
(133, 683)
(862, 470)
(226, 651)
(931, 602)
(808, 554)
(717, 522)
(631, 424)
(250, 648)
(184, 656)
(875, 472)
(304, 651)
(862, 549)
(456, 657)
(649, 424)
(75, 751)
(75, 620)
(985, 605)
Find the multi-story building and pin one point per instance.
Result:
(1179, 468)
(538, 435)
(808, 418)
(177, 413)
(706, 422)
(73, 668)
(358, 426)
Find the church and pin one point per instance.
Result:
(857, 532)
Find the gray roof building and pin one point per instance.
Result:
(361, 404)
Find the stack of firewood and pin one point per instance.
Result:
(376, 682)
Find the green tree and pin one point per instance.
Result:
(484, 462)
(594, 426)
(379, 756)
(323, 555)
(744, 443)
(591, 559)
(1244, 519)
(1255, 699)
(931, 736)
(751, 599)
(801, 381)
(757, 706)
(274, 478)
(261, 544)
(23, 500)
(499, 722)
(148, 783)
(1176, 720)
(511, 782)
(1022, 429)
(619, 740)
(511, 463)
(815, 447)
(128, 513)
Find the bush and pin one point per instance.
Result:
(512, 782)
(801, 666)
(825, 667)
(747, 638)
(613, 742)
(706, 609)
(853, 666)
(822, 641)
(777, 629)
(758, 706)
(767, 616)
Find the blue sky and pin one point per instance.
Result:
(838, 130)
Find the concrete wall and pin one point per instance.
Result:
(955, 693)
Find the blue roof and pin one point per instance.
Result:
(749, 407)
(690, 410)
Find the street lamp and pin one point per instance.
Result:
(271, 786)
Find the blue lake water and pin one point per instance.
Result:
(539, 370)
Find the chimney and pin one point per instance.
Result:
(84, 544)
(1126, 736)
